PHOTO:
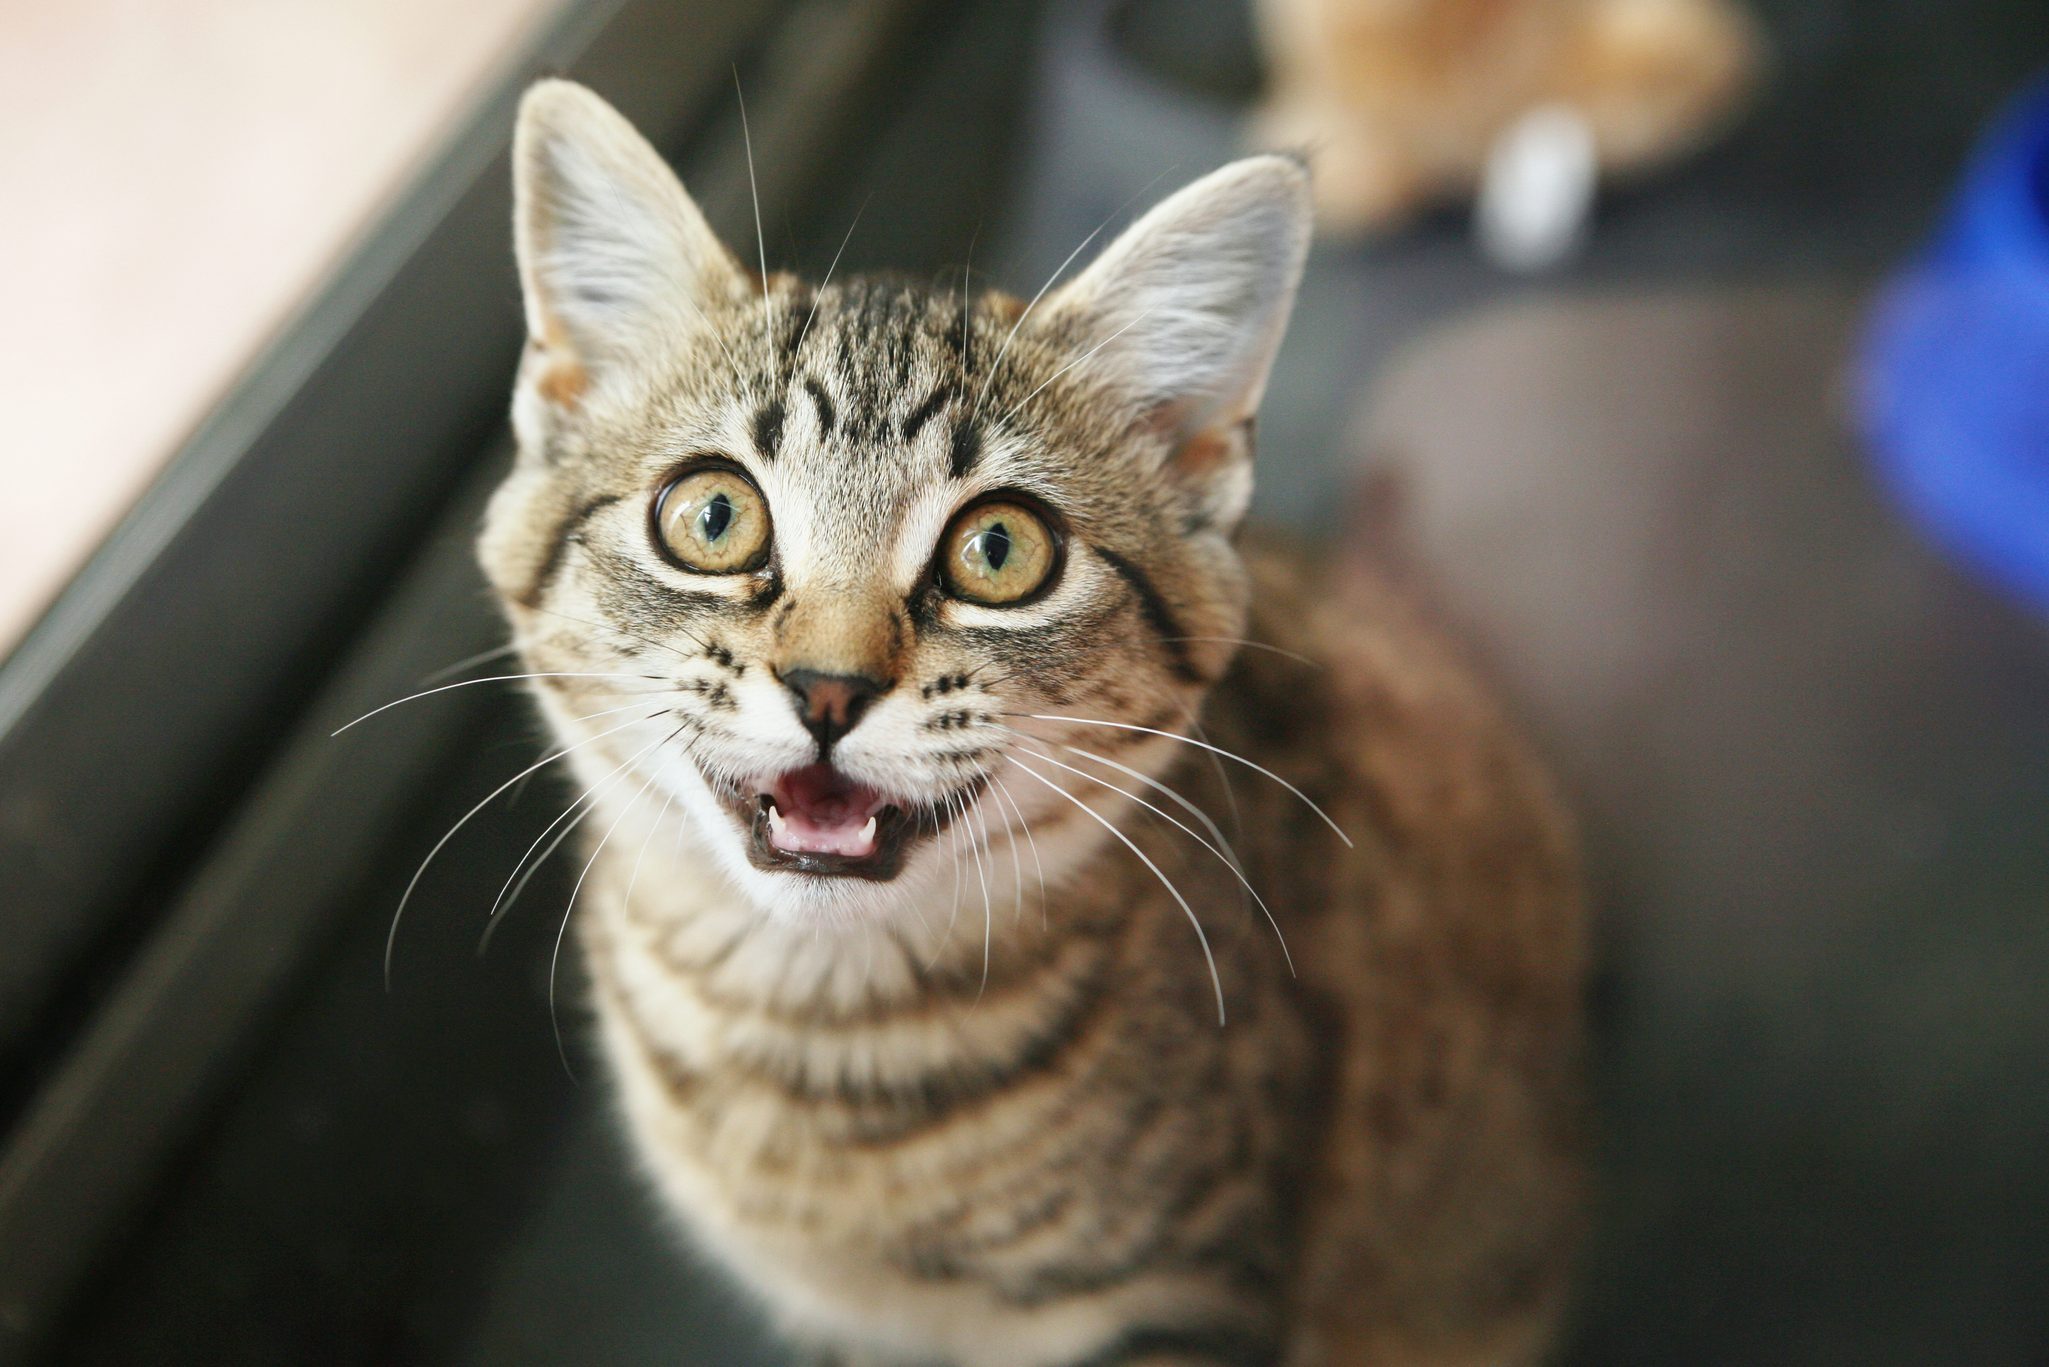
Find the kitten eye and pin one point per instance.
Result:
(713, 521)
(997, 554)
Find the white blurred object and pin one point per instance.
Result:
(1537, 190)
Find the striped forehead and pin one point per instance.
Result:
(876, 367)
(872, 422)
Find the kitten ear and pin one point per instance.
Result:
(612, 251)
(1188, 308)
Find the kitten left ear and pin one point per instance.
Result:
(1188, 308)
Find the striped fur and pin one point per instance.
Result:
(983, 1111)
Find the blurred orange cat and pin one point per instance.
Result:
(1398, 102)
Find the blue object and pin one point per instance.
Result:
(1955, 385)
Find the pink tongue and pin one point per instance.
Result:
(818, 810)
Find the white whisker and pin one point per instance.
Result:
(982, 877)
(640, 701)
(760, 240)
(1026, 827)
(499, 915)
(1230, 860)
(502, 903)
(626, 901)
(623, 707)
(717, 335)
(391, 936)
(1016, 860)
(1205, 745)
(569, 909)
(1249, 645)
(1215, 980)
(494, 678)
(702, 644)
(805, 331)
(449, 671)
(1019, 405)
(966, 270)
(1223, 776)
(1011, 336)
(952, 916)
(1198, 813)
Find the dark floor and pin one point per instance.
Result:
(1814, 761)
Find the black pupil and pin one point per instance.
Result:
(716, 517)
(996, 546)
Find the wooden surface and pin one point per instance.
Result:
(177, 175)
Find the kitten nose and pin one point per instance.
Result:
(830, 704)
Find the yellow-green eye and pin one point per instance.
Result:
(997, 553)
(714, 521)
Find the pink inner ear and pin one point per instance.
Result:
(558, 376)
(1204, 452)
(1211, 464)
(562, 383)
(1201, 453)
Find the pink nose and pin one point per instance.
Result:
(829, 705)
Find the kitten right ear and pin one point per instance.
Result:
(613, 253)
(1183, 315)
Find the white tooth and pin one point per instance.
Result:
(775, 820)
(868, 832)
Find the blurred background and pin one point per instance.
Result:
(1692, 355)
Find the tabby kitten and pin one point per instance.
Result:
(896, 635)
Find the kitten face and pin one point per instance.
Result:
(812, 567)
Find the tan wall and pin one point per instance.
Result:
(174, 176)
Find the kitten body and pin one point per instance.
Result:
(954, 1087)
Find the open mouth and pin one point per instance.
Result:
(818, 820)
